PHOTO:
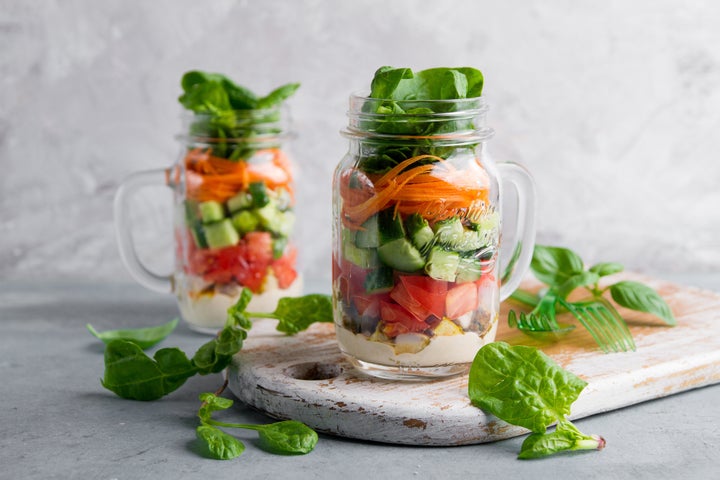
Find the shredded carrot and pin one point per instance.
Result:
(213, 178)
(436, 191)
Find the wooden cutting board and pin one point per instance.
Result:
(305, 377)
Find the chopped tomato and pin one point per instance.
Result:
(368, 305)
(427, 291)
(400, 294)
(246, 263)
(461, 299)
(391, 312)
(284, 268)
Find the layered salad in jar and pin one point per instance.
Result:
(234, 202)
(417, 226)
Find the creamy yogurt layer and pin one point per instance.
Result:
(208, 310)
(439, 350)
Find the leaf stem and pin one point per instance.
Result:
(261, 315)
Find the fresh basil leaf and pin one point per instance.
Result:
(639, 297)
(522, 386)
(555, 265)
(565, 437)
(576, 280)
(288, 437)
(604, 269)
(278, 95)
(142, 337)
(298, 313)
(219, 444)
(131, 374)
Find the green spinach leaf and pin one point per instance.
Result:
(142, 337)
(295, 314)
(288, 437)
(131, 374)
(522, 386)
(565, 437)
(604, 269)
(219, 444)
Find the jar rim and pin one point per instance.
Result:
(467, 114)
(250, 126)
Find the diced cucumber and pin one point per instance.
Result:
(442, 264)
(390, 226)
(259, 194)
(275, 221)
(283, 199)
(198, 234)
(401, 255)
(245, 221)
(221, 234)
(211, 211)
(192, 213)
(239, 202)
(471, 240)
(419, 231)
(368, 237)
(468, 270)
(379, 280)
(362, 257)
(449, 232)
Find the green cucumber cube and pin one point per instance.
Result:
(240, 201)
(442, 264)
(468, 270)
(379, 280)
(245, 221)
(369, 236)
(449, 232)
(401, 255)
(259, 194)
(211, 211)
(419, 231)
(390, 226)
(221, 234)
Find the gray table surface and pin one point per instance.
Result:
(57, 421)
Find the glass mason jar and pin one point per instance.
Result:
(417, 228)
(233, 216)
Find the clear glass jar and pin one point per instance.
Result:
(417, 228)
(233, 215)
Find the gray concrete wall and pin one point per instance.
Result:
(614, 106)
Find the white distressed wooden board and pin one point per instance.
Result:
(306, 378)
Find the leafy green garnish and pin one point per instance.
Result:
(132, 374)
(298, 313)
(287, 437)
(225, 110)
(142, 337)
(524, 387)
(564, 271)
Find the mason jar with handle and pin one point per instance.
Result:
(417, 236)
(234, 203)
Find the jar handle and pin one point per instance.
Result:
(522, 252)
(123, 232)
